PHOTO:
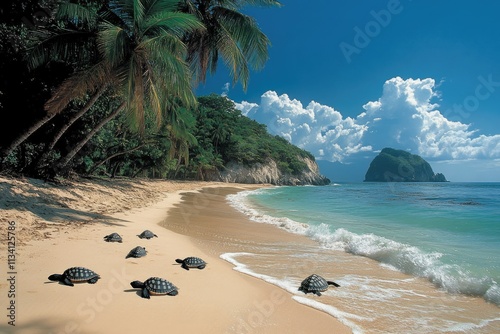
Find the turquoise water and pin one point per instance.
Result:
(448, 233)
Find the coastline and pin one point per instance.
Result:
(61, 226)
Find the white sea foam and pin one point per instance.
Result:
(469, 327)
(393, 254)
(343, 317)
(238, 201)
(291, 287)
(238, 266)
(410, 260)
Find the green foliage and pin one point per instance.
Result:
(231, 35)
(225, 135)
(138, 51)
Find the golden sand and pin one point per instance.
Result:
(60, 226)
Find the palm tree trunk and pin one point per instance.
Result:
(65, 160)
(76, 116)
(66, 126)
(23, 136)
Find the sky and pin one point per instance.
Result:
(347, 78)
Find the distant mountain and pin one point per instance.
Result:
(393, 165)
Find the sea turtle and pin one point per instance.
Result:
(137, 252)
(155, 286)
(315, 284)
(192, 262)
(113, 237)
(147, 234)
(76, 275)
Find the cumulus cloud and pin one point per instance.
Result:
(317, 128)
(403, 117)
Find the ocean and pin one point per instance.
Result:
(410, 257)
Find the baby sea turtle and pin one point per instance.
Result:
(315, 284)
(137, 252)
(155, 286)
(147, 234)
(76, 275)
(113, 237)
(192, 262)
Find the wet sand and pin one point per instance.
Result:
(372, 298)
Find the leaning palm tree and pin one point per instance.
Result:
(73, 42)
(142, 58)
(229, 34)
(141, 43)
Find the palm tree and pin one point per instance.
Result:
(71, 42)
(142, 44)
(141, 58)
(233, 36)
(180, 127)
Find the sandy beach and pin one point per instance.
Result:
(60, 226)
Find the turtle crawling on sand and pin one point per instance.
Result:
(113, 237)
(147, 234)
(137, 252)
(315, 284)
(155, 286)
(192, 262)
(75, 275)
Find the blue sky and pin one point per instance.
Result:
(348, 78)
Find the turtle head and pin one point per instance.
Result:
(137, 284)
(56, 277)
(179, 260)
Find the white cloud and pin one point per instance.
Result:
(317, 128)
(225, 89)
(403, 117)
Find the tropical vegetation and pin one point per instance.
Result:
(107, 88)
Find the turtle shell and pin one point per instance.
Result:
(147, 234)
(194, 262)
(313, 283)
(159, 286)
(80, 274)
(137, 252)
(113, 237)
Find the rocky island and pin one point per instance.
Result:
(392, 165)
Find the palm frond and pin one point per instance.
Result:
(160, 6)
(77, 14)
(77, 86)
(245, 31)
(260, 3)
(62, 45)
(174, 22)
(112, 43)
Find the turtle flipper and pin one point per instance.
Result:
(67, 281)
(184, 266)
(93, 280)
(333, 283)
(318, 293)
(145, 293)
(173, 293)
(202, 266)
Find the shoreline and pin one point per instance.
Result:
(60, 226)
(372, 297)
